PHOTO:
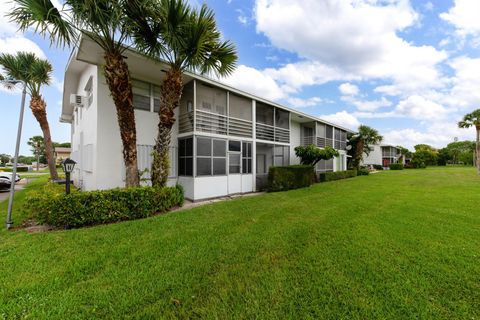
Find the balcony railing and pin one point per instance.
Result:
(211, 122)
(308, 141)
(271, 133)
(185, 122)
(239, 127)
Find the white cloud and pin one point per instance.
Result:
(302, 103)
(367, 105)
(348, 89)
(342, 118)
(428, 6)
(465, 93)
(254, 81)
(464, 17)
(417, 107)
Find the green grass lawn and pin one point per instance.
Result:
(393, 245)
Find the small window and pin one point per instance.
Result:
(211, 156)
(282, 118)
(204, 147)
(141, 95)
(234, 146)
(246, 157)
(185, 157)
(204, 166)
(234, 163)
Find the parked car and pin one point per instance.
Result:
(5, 184)
(8, 175)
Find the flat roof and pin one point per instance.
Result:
(89, 52)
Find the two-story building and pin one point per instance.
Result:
(384, 155)
(223, 142)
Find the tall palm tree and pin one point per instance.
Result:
(361, 143)
(35, 72)
(187, 39)
(470, 120)
(102, 21)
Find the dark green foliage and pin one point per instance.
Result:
(22, 169)
(331, 176)
(396, 166)
(378, 167)
(311, 154)
(363, 172)
(51, 206)
(424, 155)
(290, 177)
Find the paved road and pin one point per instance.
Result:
(18, 186)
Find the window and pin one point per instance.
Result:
(156, 98)
(240, 107)
(281, 156)
(211, 99)
(282, 118)
(320, 130)
(329, 132)
(185, 157)
(89, 91)
(141, 95)
(211, 156)
(234, 149)
(246, 157)
(264, 114)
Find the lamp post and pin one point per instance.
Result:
(67, 166)
(12, 83)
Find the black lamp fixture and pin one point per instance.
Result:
(68, 165)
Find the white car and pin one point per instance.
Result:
(6, 180)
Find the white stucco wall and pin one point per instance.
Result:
(374, 157)
(295, 140)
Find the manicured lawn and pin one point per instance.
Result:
(394, 245)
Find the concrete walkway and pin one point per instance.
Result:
(192, 204)
(18, 186)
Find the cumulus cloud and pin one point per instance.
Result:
(464, 17)
(417, 107)
(348, 89)
(342, 118)
(302, 103)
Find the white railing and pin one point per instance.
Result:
(211, 122)
(271, 133)
(239, 127)
(308, 140)
(185, 122)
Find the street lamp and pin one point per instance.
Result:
(10, 83)
(67, 166)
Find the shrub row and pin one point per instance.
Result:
(51, 206)
(290, 177)
(330, 176)
(363, 172)
(396, 166)
(377, 167)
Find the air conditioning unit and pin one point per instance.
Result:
(77, 100)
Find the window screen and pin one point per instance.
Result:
(240, 107)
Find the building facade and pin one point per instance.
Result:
(383, 155)
(223, 142)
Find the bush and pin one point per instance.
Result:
(290, 177)
(51, 206)
(363, 172)
(19, 169)
(396, 166)
(377, 167)
(331, 176)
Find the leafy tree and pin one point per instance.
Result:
(361, 143)
(35, 72)
(26, 159)
(5, 158)
(311, 154)
(37, 147)
(425, 155)
(404, 154)
(461, 151)
(443, 157)
(62, 145)
(187, 39)
(473, 120)
(104, 22)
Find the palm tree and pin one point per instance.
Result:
(361, 143)
(470, 120)
(35, 72)
(102, 21)
(186, 39)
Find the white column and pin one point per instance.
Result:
(254, 146)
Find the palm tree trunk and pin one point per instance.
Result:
(478, 149)
(118, 80)
(171, 93)
(39, 110)
(358, 154)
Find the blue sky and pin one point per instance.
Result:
(411, 69)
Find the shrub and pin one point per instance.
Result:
(22, 169)
(331, 176)
(363, 172)
(377, 167)
(396, 166)
(19, 169)
(51, 206)
(290, 177)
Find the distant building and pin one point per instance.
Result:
(62, 153)
(384, 155)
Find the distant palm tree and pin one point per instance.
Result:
(361, 143)
(470, 120)
(102, 21)
(35, 72)
(186, 39)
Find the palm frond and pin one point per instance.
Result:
(45, 18)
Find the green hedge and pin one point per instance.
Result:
(290, 177)
(331, 176)
(363, 172)
(377, 167)
(51, 206)
(10, 169)
(396, 166)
